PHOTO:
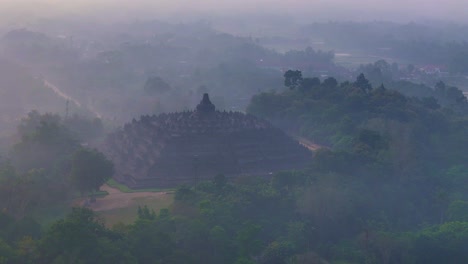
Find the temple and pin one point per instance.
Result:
(185, 147)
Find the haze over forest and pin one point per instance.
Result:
(243, 132)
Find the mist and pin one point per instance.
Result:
(361, 10)
(238, 132)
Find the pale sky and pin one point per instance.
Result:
(455, 10)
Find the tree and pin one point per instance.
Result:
(330, 82)
(85, 129)
(45, 144)
(29, 125)
(150, 242)
(247, 238)
(309, 83)
(292, 78)
(144, 213)
(458, 211)
(363, 83)
(82, 238)
(7, 254)
(220, 243)
(277, 252)
(430, 102)
(220, 181)
(444, 243)
(90, 169)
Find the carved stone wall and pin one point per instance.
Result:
(182, 148)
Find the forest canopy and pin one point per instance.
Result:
(389, 185)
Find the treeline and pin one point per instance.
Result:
(50, 163)
(408, 135)
(399, 162)
(317, 216)
(442, 45)
(395, 78)
(390, 185)
(453, 55)
(316, 109)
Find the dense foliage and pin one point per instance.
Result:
(411, 81)
(389, 185)
(401, 158)
(49, 163)
(90, 169)
(294, 217)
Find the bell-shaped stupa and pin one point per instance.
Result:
(185, 147)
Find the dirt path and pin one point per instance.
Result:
(65, 96)
(117, 199)
(309, 144)
(59, 92)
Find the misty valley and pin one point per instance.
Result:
(253, 139)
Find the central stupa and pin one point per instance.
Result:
(185, 147)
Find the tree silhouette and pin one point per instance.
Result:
(363, 83)
(292, 78)
(90, 169)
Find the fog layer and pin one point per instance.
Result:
(397, 10)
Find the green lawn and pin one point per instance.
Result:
(124, 188)
(128, 214)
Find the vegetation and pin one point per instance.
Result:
(125, 189)
(389, 184)
(127, 215)
(394, 78)
(48, 165)
(294, 217)
(90, 169)
(390, 187)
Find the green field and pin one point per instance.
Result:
(124, 188)
(128, 213)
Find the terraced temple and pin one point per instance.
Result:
(185, 147)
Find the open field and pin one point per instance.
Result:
(122, 206)
(128, 214)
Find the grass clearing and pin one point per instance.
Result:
(97, 194)
(124, 188)
(128, 214)
(115, 203)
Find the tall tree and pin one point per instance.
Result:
(292, 78)
(82, 238)
(90, 169)
(330, 82)
(363, 83)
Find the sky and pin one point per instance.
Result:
(406, 10)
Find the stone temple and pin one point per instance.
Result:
(185, 147)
